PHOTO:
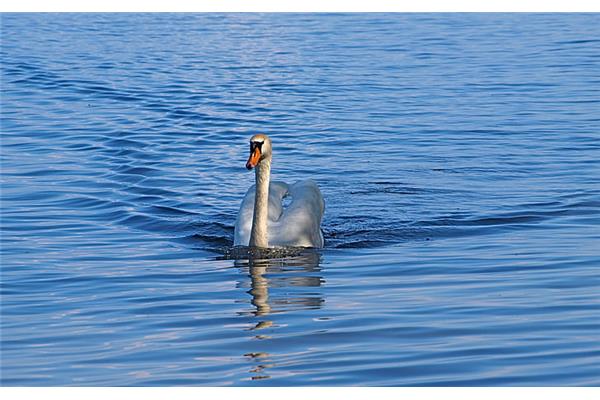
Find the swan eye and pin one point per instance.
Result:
(254, 145)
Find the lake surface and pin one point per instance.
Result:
(458, 155)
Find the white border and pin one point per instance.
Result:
(300, 393)
(300, 5)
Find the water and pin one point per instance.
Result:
(457, 154)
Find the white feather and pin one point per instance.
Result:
(298, 224)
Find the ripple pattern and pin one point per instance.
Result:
(457, 153)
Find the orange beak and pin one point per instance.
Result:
(253, 159)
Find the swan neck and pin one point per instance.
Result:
(259, 235)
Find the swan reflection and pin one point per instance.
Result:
(277, 285)
(296, 273)
(260, 292)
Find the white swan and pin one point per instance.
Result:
(263, 221)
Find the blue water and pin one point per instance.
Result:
(458, 155)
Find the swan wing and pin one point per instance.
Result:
(299, 224)
(243, 224)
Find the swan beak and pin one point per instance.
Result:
(253, 159)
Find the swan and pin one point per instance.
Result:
(263, 221)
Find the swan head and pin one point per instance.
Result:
(260, 149)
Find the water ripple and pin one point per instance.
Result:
(457, 153)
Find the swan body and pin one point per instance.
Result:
(263, 221)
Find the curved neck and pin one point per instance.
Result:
(258, 235)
